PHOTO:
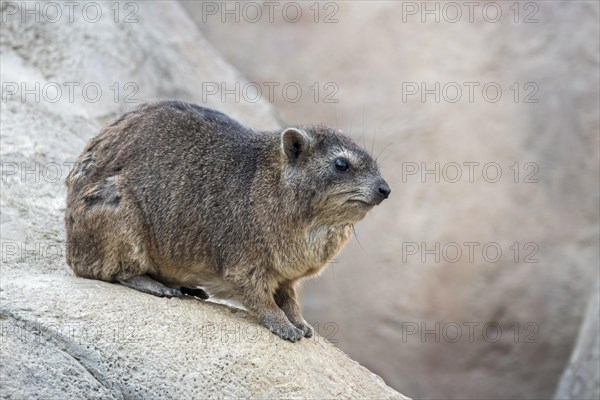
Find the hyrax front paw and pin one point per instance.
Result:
(285, 331)
(306, 329)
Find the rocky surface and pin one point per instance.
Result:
(374, 53)
(87, 339)
(66, 337)
(581, 379)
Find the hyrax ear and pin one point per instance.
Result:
(294, 143)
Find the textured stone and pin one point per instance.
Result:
(581, 379)
(90, 339)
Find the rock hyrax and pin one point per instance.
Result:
(172, 197)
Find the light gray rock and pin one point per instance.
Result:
(581, 379)
(89, 339)
(66, 337)
(370, 54)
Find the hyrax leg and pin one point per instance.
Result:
(285, 297)
(259, 299)
(145, 284)
(274, 318)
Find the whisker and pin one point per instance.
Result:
(337, 125)
(351, 123)
(373, 142)
(356, 236)
(363, 127)
(384, 148)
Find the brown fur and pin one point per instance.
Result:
(191, 198)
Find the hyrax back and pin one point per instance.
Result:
(173, 196)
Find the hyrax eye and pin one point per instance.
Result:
(341, 164)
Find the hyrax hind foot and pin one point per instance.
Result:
(196, 292)
(148, 285)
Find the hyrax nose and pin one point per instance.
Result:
(384, 190)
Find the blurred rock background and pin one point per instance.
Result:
(519, 316)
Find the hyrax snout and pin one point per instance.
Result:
(174, 199)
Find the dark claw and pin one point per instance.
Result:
(196, 292)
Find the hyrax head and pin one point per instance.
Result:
(341, 180)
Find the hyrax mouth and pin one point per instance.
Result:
(362, 202)
(379, 193)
